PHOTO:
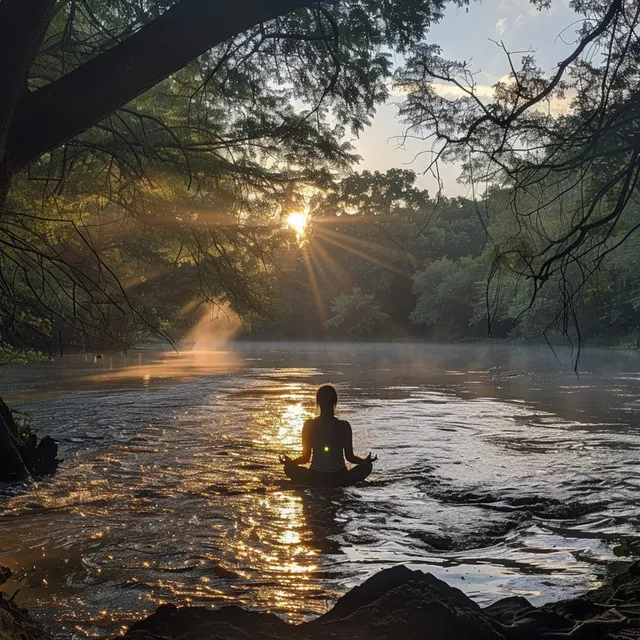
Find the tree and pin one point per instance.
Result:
(125, 48)
(570, 172)
(254, 107)
(357, 315)
(447, 296)
(204, 119)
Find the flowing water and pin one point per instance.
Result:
(499, 471)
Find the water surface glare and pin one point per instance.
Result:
(499, 471)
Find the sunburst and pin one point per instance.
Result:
(298, 222)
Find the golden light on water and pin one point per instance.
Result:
(249, 537)
(298, 222)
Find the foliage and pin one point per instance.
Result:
(13, 355)
(176, 196)
(449, 295)
(357, 315)
(562, 148)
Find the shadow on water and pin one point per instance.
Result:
(320, 508)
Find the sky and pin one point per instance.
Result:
(466, 34)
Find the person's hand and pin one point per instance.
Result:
(285, 459)
(371, 458)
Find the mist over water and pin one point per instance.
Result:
(499, 470)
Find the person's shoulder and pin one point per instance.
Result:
(343, 424)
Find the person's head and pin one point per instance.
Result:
(327, 398)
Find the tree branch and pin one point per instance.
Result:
(51, 115)
(23, 24)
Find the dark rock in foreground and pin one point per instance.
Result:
(15, 624)
(410, 605)
(230, 623)
(22, 455)
(395, 604)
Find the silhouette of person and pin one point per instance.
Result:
(327, 441)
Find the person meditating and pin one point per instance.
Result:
(327, 441)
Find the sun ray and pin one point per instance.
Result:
(338, 272)
(143, 278)
(367, 245)
(315, 290)
(365, 256)
(351, 218)
(321, 269)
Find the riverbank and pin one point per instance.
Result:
(394, 603)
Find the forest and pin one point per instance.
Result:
(138, 204)
(377, 258)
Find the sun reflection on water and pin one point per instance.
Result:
(291, 421)
(187, 507)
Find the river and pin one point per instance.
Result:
(499, 470)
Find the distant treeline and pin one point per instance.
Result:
(380, 260)
(383, 260)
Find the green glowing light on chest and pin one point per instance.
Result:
(326, 449)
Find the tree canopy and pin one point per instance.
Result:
(149, 150)
(189, 123)
(563, 145)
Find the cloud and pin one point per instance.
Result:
(451, 92)
(555, 106)
(501, 25)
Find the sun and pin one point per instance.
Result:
(298, 222)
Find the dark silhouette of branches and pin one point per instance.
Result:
(564, 146)
(142, 116)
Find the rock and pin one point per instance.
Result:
(190, 623)
(505, 611)
(536, 622)
(12, 466)
(395, 604)
(5, 574)
(22, 456)
(419, 609)
(399, 603)
(369, 591)
(577, 609)
(389, 579)
(15, 624)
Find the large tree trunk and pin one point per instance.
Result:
(33, 122)
(12, 466)
(49, 116)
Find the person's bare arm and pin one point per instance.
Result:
(306, 445)
(348, 445)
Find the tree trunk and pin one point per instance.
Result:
(51, 115)
(12, 466)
